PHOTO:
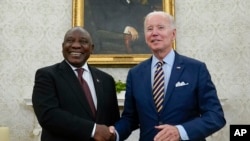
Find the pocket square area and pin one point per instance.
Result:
(179, 84)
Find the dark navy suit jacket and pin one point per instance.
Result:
(61, 107)
(194, 105)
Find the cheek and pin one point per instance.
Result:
(167, 37)
(87, 48)
(147, 38)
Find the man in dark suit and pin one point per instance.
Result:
(59, 101)
(188, 109)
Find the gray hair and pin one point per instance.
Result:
(165, 14)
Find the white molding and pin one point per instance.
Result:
(27, 101)
(37, 130)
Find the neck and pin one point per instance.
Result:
(161, 54)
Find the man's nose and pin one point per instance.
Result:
(154, 32)
(76, 44)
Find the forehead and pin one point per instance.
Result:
(77, 32)
(157, 19)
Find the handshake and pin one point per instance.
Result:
(104, 133)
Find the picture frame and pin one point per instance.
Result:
(78, 12)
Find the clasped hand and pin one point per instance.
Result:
(103, 133)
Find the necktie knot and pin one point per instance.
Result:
(159, 67)
(160, 64)
(79, 73)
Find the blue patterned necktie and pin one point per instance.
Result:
(158, 87)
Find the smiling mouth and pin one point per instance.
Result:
(153, 41)
(75, 54)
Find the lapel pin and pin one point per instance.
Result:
(98, 80)
(178, 67)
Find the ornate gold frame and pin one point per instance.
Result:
(114, 59)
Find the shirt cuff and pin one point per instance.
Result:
(117, 136)
(182, 132)
(93, 131)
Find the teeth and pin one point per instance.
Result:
(155, 40)
(75, 54)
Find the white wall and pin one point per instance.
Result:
(31, 32)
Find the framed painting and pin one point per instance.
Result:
(116, 27)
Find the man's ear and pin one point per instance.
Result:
(174, 34)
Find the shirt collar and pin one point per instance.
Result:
(85, 66)
(168, 59)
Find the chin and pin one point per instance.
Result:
(76, 65)
(74, 62)
(156, 48)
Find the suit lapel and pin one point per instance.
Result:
(71, 80)
(147, 93)
(98, 88)
(176, 72)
